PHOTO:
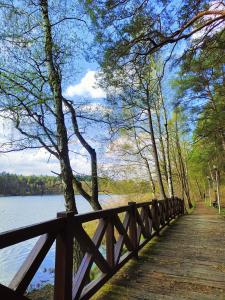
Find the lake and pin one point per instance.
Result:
(20, 211)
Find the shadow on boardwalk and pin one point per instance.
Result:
(186, 262)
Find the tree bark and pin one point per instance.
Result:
(168, 160)
(154, 150)
(152, 183)
(162, 148)
(144, 158)
(62, 139)
(183, 174)
(93, 198)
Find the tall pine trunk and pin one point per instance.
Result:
(154, 150)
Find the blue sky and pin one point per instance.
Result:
(37, 162)
(78, 83)
(82, 85)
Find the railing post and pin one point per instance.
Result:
(173, 207)
(110, 254)
(167, 210)
(182, 207)
(64, 259)
(155, 216)
(133, 228)
(177, 206)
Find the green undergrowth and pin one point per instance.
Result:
(44, 293)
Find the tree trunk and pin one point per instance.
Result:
(152, 183)
(183, 173)
(198, 188)
(62, 142)
(144, 158)
(168, 161)
(93, 198)
(162, 148)
(55, 84)
(154, 151)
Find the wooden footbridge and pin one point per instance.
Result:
(138, 256)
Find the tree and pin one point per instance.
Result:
(200, 90)
(34, 64)
(179, 153)
(135, 89)
(132, 30)
(32, 83)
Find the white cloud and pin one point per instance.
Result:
(211, 29)
(28, 162)
(38, 162)
(87, 87)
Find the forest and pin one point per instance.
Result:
(20, 185)
(158, 128)
(15, 185)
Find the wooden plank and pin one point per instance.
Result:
(110, 243)
(179, 265)
(100, 214)
(146, 220)
(13, 237)
(86, 264)
(87, 245)
(23, 277)
(133, 227)
(7, 294)
(149, 216)
(67, 226)
(64, 259)
(82, 218)
(81, 275)
(122, 229)
(155, 215)
(141, 224)
(95, 285)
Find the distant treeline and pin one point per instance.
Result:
(13, 184)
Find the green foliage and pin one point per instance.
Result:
(200, 92)
(12, 184)
(130, 186)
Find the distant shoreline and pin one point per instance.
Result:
(51, 194)
(24, 195)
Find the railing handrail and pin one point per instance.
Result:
(24, 233)
(144, 219)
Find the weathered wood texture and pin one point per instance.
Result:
(126, 229)
(187, 261)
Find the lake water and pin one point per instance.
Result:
(21, 211)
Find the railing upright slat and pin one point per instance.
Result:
(110, 252)
(123, 240)
(64, 259)
(133, 227)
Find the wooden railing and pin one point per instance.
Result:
(121, 232)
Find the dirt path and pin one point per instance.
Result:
(186, 262)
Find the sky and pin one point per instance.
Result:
(38, 162)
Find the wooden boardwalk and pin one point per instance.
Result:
(187, 261)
